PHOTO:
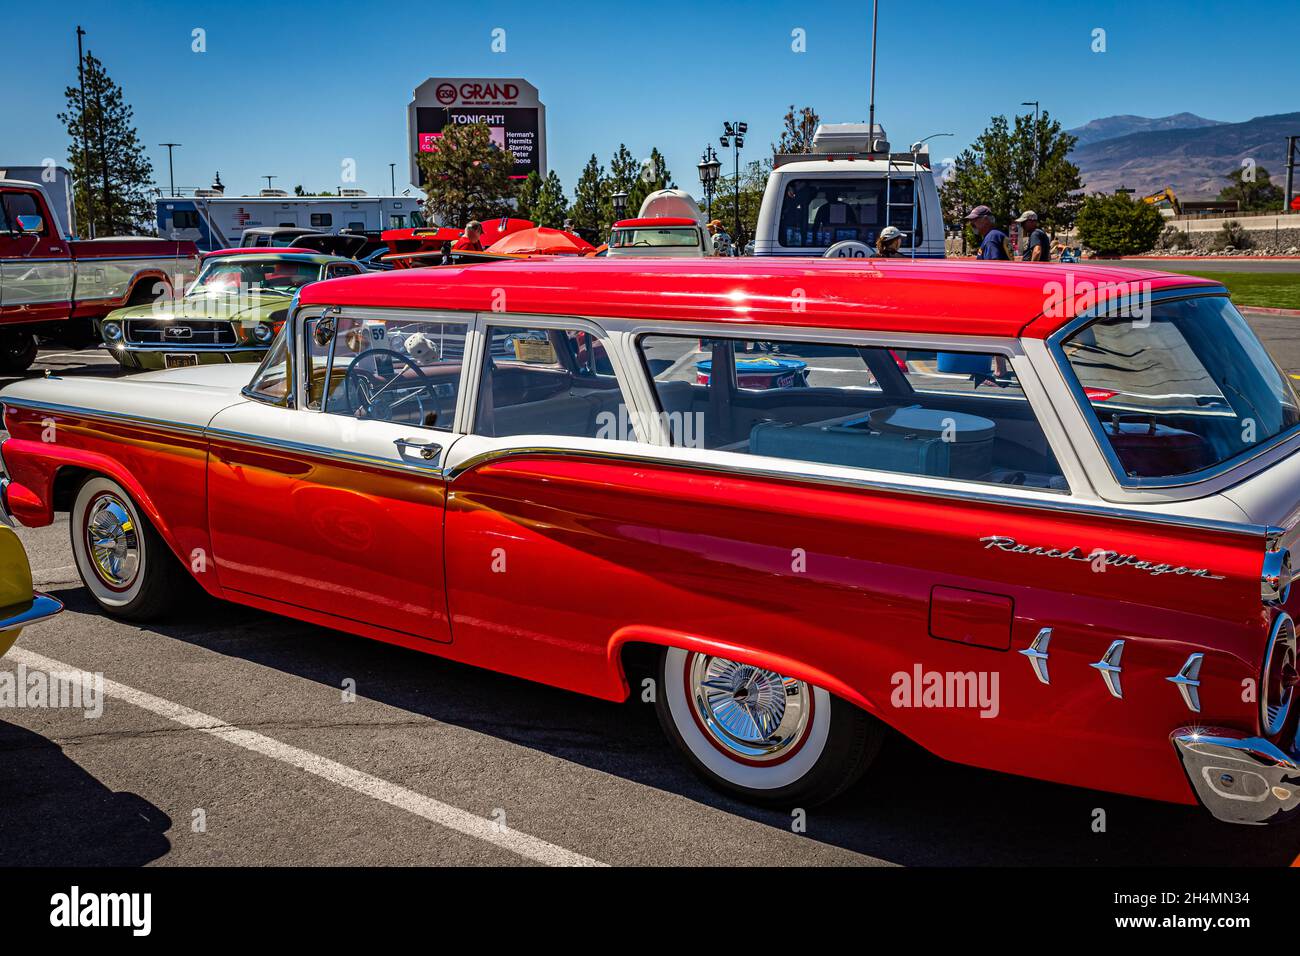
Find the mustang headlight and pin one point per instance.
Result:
(263, 333)
(112, 332)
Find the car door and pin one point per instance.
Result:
(333, 499)
(35, 267)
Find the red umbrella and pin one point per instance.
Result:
(541, 241)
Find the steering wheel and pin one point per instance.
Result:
(368, 395)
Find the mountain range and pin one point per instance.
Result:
(1188, 152)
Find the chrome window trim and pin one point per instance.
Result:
(974, 494)
(1239, 462)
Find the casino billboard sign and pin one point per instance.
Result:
(509, 107)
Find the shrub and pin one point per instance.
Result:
(1117, 226)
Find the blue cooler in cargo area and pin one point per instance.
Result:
(908, 439)
(760, 373)
(964, 363)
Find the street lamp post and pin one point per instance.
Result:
(171, 170)
(268, 180)
(733, 135)
(709, 168)
(1034, 104)
(620, 204)
(392, 179)
(85, 142)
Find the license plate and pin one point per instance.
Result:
(181, 360)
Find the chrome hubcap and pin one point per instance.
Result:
(113, 542)
(747, 711)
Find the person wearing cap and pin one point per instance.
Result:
(888, 242)
(472, 241)
(1038, 248)
(993, 241)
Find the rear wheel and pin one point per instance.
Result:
(125, 564)
(18, 350)
(765, 737)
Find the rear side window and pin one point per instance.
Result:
(958, 415)
(549, 382)
(1181, 390)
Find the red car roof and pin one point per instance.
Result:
(655, 221)
(954, 297)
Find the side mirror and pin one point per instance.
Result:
(30, 225)
(324, 332)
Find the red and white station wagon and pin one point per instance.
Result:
(1036, 519)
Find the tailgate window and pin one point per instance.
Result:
(1181, 392)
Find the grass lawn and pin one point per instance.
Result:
(1271, 290)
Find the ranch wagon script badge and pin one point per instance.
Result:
(1109, 558)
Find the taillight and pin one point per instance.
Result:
(1278, 680)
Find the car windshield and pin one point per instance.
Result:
(820, 212)
(1181, 390)
(251, 274)
(682, 236)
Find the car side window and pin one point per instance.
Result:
(955, 415)
(549, 382)
(394, 370)
(23, 204)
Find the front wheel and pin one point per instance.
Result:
(18, 349)
(124, 562)
(765, 737)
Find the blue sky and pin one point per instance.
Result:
(293, 89)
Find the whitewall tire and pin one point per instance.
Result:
(126, 566)
(763, 736)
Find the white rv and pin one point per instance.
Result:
(213, 220)
(848, 189)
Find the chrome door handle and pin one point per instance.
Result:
(428, 450)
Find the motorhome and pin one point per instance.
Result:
(213, 220)
(849, 188)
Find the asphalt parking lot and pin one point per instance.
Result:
(227, 738)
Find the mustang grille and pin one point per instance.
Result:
(201, 332)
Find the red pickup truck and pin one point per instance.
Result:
(53, 285)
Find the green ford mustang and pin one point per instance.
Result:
(231, 313)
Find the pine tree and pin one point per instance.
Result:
(623, 170)
(526, 194)
(551, 207)
(587, 197)
(113, 177)
(467, 177)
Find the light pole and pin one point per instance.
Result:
(620, 204)
(392, 179)
(1034, 104)
(733, 135)
(268, 180)
(85, 141)
(171, 170)
(709, 168)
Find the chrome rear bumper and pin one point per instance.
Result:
(1239, 778)
(41, 607)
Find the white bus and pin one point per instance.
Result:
(848, 189)
(214, 221)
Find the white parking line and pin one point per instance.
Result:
(445, 815)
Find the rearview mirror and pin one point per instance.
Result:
(30, 224)
(324, 332)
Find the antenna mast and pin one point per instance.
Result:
(871, 118)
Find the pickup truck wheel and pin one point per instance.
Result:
(124, 563)
(767, 738)
(18, 350)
